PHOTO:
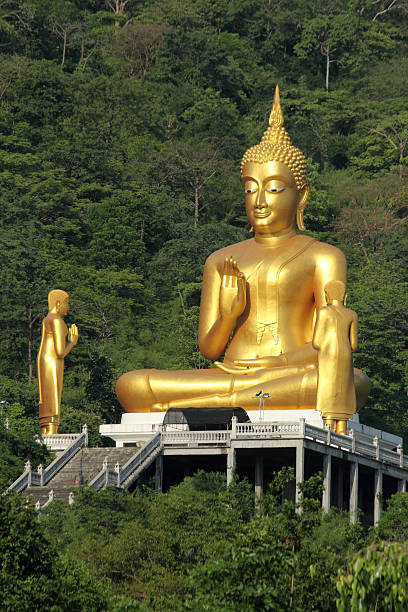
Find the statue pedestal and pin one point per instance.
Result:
(136, 428)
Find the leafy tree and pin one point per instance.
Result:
(32, 575)
(253, 574)
(393, 522)
(375, 579)
(330, 30)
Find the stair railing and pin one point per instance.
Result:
(40, 478)
(118, 475)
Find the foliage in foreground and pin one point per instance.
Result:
(200, 547)
(33, 575)
(375, 579)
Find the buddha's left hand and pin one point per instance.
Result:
(249, 366)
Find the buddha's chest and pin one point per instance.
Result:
(285, 273)
(280, 295)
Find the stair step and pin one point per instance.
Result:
(88, 462)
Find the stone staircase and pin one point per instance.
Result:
(86, 463)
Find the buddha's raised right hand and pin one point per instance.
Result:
(232, 291)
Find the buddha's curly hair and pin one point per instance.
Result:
(275, 145)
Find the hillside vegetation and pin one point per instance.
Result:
(122, 126)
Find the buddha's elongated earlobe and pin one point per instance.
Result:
(301, 206)
(251, 229)
(299, 220)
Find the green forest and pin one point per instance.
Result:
(201, 547)
(122, 128)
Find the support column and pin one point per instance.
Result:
(378, 481)
(402, 485)
(159, 472)
(231, 464)
(353, 491)
(326, 482)
(340, 486)
(259, 461)
(300, 467)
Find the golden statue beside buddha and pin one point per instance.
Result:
(335, 337)
(259, 300)
(50, 359)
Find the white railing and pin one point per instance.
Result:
(325, 436)
(119, 475)
(270, 429)
(195, 437)
(43, 475)
(391, 457)
(59, 441)
(139, 457)
(354, 443)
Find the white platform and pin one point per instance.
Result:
(136, 428)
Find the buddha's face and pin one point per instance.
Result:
(271, 196)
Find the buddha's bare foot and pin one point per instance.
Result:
(160, 407)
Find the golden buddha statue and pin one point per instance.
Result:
(50, 359)
(335, 337)
(259, 300)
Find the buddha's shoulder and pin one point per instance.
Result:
(233, 250)
(326, 251)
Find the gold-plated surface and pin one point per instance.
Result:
(334, 338)
(50, 359)
(259, 300)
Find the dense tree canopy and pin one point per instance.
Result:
(122, 125)
(201, 547)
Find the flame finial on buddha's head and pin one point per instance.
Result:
(275, 145)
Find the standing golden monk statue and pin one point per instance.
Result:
(259, 297)
(335, 337)
(50, 359)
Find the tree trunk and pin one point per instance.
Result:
(182, 301)
(31, 320)
(64, 48)
(117, 12)
(196, 202)
(401, 158)
(327, 69)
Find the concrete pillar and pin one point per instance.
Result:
(326, 482)
(259, 460)
(231, 464)
(353, 491)
(300, 467)
(159, 472)
(402, 485)
(378, 480)
(340, 485)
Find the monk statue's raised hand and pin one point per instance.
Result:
(73, 335)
